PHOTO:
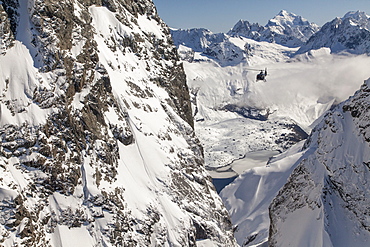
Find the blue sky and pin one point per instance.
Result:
(221, 15)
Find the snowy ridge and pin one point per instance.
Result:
(196, 38)
(246, 29)
(348, 34)
(250, 195)
(328, 191)
(97, 145)
(213, 46)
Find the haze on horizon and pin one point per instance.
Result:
(221, 16)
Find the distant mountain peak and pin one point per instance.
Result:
(285, 18)
(285, 28)
(348, 34)
(284, 12)
(357, 15)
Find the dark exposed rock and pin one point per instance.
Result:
(8, 19)
(248, 112)
(11, 9)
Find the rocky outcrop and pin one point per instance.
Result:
(7, 25)
(96, 131)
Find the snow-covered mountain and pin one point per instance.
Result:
(348, 34)
(197, 39)
(97, 145)
(328, 192)
(248, 30)
(216, 46)
(285, 28)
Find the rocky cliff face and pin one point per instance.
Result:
(97, 146)
(325, 202)
(348, 34)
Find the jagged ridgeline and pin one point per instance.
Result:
(97, 141)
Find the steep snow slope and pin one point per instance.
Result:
(326, 200)
(97, 146)
(348, 34)
(248, 198)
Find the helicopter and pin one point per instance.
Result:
(262, 76)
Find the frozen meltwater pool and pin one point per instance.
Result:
(225, 175)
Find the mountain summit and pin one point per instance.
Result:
(285, 28)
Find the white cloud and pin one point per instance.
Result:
(299, 89)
